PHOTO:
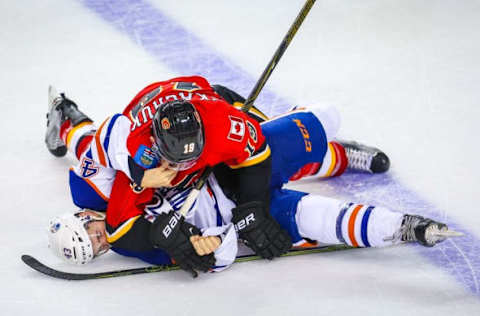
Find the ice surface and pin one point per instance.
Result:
(403, 74)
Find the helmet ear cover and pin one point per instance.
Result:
(178, 132)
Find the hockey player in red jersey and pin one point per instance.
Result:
(195, 128)
(295, 211)
(185, 122)
(210, 227)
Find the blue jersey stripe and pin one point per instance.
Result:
(340, 217)
(366, 216)
(106, 142)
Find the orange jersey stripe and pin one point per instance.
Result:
(351, 225)
(96, 189)
(305, 245)
(101, 153)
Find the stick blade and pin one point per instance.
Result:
(40, 267)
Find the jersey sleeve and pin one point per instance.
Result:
(253, 147)
(227, 251)
(245, 175)
(109, 148)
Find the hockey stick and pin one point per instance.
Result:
(254, 94)
(278, 54)
(40, 267)
(35, 264)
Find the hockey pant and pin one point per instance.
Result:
(298, 140)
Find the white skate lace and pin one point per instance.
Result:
(406, 232)
(358, 159)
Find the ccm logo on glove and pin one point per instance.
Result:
(167, 230)
(243, 223)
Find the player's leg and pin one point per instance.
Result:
(301, 147)
(332, 221)
(295, 139)
(67, 127)
(342, 155)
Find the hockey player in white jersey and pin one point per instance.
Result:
(303, 215)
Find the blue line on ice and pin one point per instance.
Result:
(188, 55)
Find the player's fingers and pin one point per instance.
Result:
(171, 173)
(195, 240)
(199, 248)
(209, 244)
(213, 242)
(203, 244)
(164, 164)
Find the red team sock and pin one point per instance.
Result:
(65, 129)
(334, 164)
(76, 145)
(341, 159)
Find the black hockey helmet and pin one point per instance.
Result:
(178, 133)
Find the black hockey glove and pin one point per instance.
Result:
(260, 231)
(172, 234)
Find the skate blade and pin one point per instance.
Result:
(53, 95)
(447, 233)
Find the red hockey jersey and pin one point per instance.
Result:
(231, 137)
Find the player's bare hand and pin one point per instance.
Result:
(158, 177)
(205, 245)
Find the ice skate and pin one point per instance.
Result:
(55, 119)
(425, 231)
(60, 109)
(364, 158)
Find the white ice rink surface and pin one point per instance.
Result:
(404, 75)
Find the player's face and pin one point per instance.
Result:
(171, 164)
(178, 166)
(97, 234)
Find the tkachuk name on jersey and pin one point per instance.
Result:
(145, 113)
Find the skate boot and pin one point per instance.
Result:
(364, 158)
(425, 231)
(60, 109)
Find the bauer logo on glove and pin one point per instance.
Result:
(167, 230)
(243, 223)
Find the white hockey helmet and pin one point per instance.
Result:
(68, 237)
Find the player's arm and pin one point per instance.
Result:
(161, 234)
(109, 149)
(250, 187)
(168, 236)
(245, 175)
(246, 182)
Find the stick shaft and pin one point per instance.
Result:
(42, 268)
(255, 92)
(192, 196)
(278, 54)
